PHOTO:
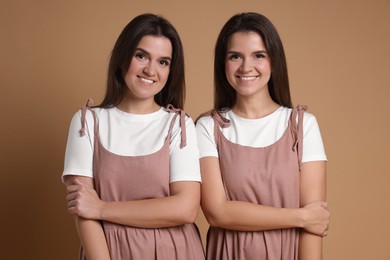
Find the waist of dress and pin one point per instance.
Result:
(117, 227)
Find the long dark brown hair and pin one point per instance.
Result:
(123, 51)
(278, 85)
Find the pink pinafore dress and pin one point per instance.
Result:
(267, 176)
(124, 178)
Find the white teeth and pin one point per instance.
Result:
(248, 78)
(149, 81)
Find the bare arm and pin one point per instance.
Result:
(90, 231)
(179, 208)
(313, 187)
(245, 216)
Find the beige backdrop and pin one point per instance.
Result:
(53, 56)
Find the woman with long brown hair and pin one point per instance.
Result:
(262, 161)
(131, 164)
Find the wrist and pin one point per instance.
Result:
(300, 215)
(101, 213)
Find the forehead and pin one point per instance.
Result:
(245, 41)
(156, 45)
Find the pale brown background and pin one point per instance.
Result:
(53, 56)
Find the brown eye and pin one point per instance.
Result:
(140, 56)
(234, 57)
(260, 55)
(164, 62)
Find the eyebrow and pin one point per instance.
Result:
(237, 52)
(147, 53)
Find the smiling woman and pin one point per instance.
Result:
(248, 67)
(131, 165)
(262, 162)
(148, 72)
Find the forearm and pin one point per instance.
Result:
(310, 246)
(151, 213)
(92, 238)
(241, 215)
(245, 216)
(180, 208)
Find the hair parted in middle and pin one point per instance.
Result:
(278, 85)
(123, 51)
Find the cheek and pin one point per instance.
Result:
(230, 76)
(165, 74)
(230, 69)
(133, 67)
(265, 67)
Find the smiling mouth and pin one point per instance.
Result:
(148, 81)
(247, 78)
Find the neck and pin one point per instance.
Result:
(253, 108)
(138, 106)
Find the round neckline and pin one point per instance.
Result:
(131, 116)
(249, 120)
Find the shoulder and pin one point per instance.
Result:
(204, 118)
(170, 115)
(309, 122)
(179, 123)
(78, 118)
(309, 119)
(205, 121)
(89, 112)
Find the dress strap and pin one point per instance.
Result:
(297, 130)
(219, 121)
(182, 115)
(84, 109)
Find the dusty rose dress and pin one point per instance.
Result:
(267, 176)
(120, 178)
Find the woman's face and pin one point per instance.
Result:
(247, 64)
(149, 68)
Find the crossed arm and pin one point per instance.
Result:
(313, 217)
(181, 207)
(83, 202)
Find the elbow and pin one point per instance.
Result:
(216, 219)
(213, 222)
(189, 215)
(219, 222)
(189, 219)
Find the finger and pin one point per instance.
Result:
(72, 211)
(72, 188)
(71, 196)
(71, 204)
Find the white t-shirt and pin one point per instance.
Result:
(127, 134)
(261, 133)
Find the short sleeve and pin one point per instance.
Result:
(313, 147)
(79, 149)
(206, 139)
(184, 162)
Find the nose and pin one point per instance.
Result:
(149, 69)
(246, 66)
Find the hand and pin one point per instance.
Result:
(316, 218)
(83, 201)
